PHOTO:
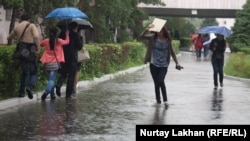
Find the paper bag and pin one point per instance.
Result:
(158, 25)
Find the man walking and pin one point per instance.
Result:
(69, 68)
(29, 67)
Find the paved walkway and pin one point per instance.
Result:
(109, 110)
(193, 68)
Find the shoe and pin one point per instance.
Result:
(221, 84)
(73, 95)
(70, 97)
(58, 91)
(52, 96)
(44, 96)
(29, 92)
(157, 104)
(165, 103)
(215, 87)
(21, 95)
(74, 91)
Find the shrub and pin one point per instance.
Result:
(238, 65)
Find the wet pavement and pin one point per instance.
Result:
(110, 110)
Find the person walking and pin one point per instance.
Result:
(218, 47)
(52, 57)
(79, 65)
(158, 54)
(198, 46)
(69, 68)
(30, 38)
(206, 42)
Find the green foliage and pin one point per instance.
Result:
(176, 45)
(209, 22)
(116, 21)
(238, 65)
(11, 3)
(154, 2)
(110, 58)
(245, 50)
(241, 30)
(185, 42)
(180, 26)
(113, 21)
(105, 59)
(196, 22)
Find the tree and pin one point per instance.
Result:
(241, 30)
(209, 22)
(14, 5)
(115, 20)
(180, 26)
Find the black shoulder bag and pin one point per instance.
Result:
(21, 51)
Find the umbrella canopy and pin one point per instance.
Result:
(83, 23)
(66, 13)
(215, 29)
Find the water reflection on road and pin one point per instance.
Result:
(217, 99)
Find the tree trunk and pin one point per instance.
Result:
(12, 23)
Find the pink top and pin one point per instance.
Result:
(49, 55)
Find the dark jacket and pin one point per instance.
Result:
(220, 47)
(71, 50)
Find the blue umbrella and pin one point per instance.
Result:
(66, 13)
(215, 29)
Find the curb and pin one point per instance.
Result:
(16, 102)
(237, 78)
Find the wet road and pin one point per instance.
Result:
(110, 110)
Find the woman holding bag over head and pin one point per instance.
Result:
(52, 56)
(158, 54)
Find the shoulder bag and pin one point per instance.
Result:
(83, 55)
(25, 50)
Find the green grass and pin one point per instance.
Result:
(238, 65)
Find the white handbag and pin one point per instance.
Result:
(83, 55)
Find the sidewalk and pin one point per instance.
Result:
(110, 110)
(13, 102)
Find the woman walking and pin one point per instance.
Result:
(198, 44)
(52, 57)
(158, 54)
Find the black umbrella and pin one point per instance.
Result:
(83, 23)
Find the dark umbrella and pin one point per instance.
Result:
(83, 23)
(66, 13)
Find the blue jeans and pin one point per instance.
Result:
(218, 65)
(198, 53)
(158, 74)
(206, 51)
(51, 82)
(29, 73)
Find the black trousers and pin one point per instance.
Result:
(68, 71)
(218, 65)
(158, 75)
